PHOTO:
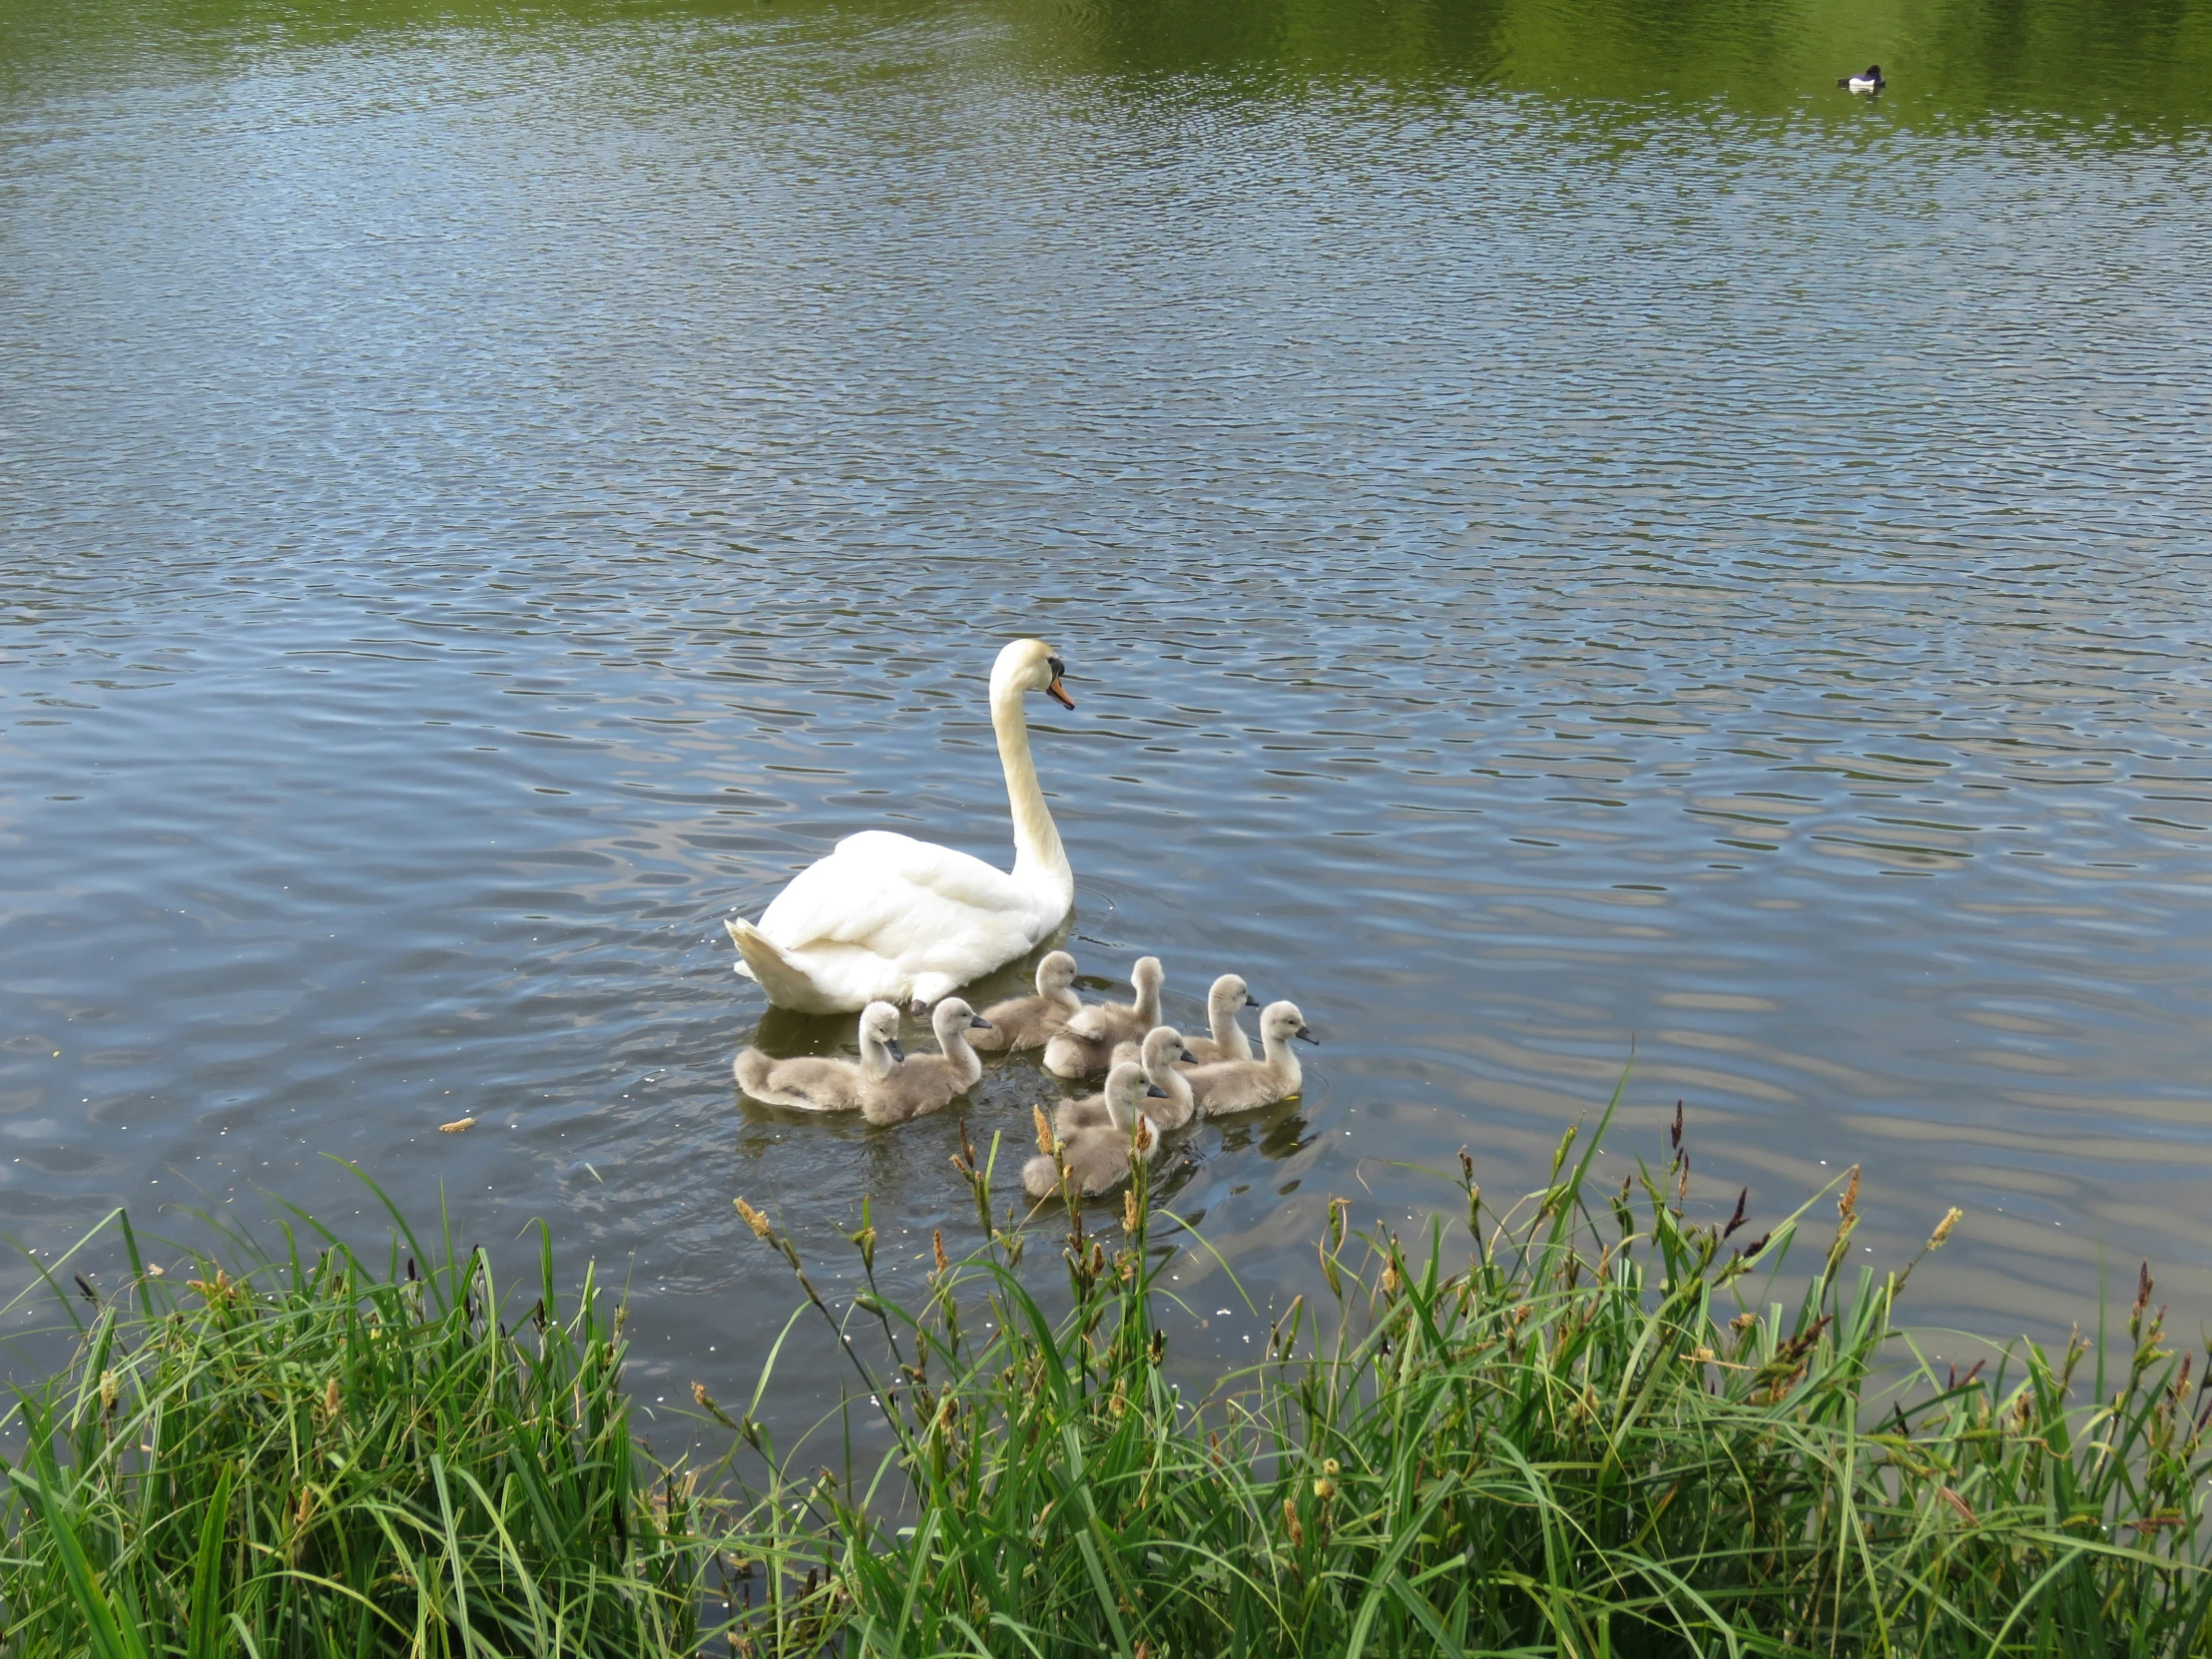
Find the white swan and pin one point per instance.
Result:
(887, 918)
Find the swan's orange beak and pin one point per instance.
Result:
(1058, 694)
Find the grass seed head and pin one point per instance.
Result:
(1044, 1130)
(711, 1406)
(1943, 1229)
(754, 1220)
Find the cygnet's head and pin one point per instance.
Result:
(1163, 1046)
(954, 1020)
(1030, 664)
(1056, 972)
(1127, 1091)
(879, 1024)
(1146, 975)
(1231, 990)
(1282, 1021)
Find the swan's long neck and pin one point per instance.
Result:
(1283, 1061)
(1171, 1082)
(1125, 1101)
(1228, 1037)
(1039, 859)
(1148, 1003)
(875, 1059)
(953, 1040)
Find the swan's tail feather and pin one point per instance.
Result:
(787, 983)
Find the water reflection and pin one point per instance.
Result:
(1554, 557)
(1958, 60)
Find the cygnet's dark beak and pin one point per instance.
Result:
(1155, 1092)
(1057, 692)
(979, 1024)
(890, 1046)
(1305, 1036)
(1189, 1058)
(1251, 1001)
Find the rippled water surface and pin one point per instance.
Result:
(1569, 534)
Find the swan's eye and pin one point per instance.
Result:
(1058, 668)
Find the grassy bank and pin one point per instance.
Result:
(1580, 1426)
(332, 1456)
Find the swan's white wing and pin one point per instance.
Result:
(960, 878)
(905, 901)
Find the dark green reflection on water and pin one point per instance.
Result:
(2137, 63)
(1954, 58)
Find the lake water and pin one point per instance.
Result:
(1570, 535)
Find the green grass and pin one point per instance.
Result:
(323, 1456)
(1584, 1427)
(1592, 1438)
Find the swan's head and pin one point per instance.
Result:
(1282, 1021)
(1163, 1046)
(1126, 1092)
(1027, 665)
(1230, 992)
(952, 1021)
(1055, 973)
(1146, 975)
(880, 1025)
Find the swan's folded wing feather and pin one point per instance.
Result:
(1094, 1022)
(896, 896)
(961, 877)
